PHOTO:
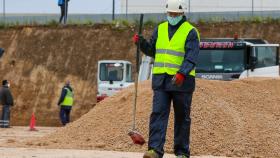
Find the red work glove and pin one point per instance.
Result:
(178, 79)
(136, 38)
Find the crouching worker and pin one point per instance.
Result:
(6, 101)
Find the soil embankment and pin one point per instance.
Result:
(39, 59)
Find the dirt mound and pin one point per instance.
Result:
(237, 118)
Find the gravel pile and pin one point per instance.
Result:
(238, 118)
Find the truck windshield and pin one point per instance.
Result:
(221, 61)
(111, 72)
(266, 56)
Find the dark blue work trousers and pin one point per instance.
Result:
(64, 13)
(159, 121)
(5, 118)
(65, 114)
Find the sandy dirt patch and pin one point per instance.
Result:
(239, 118)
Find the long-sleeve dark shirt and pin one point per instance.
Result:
(190, 59)
(6, 96)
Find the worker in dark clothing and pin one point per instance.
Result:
(174, 46)
(1, 52)
(6, 101)
(64, 10)
(66, 102)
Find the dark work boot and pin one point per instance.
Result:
(151, 154)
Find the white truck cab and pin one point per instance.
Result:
(264, 61)
(113, 76)
(229, 59)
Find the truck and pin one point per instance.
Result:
(219, 59)
(229, 59)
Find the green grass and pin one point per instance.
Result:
(201, 21)
(150, 22)
(52, 23)
(123, 23)
(259, 19)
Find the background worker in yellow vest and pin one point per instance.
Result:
(66, 102)
(175, 46)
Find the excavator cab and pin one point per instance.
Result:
(113, 76)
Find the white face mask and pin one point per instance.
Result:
(8, 85)
(174, 20)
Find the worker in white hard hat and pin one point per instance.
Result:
(174, 46)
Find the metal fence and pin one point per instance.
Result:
(154, 17)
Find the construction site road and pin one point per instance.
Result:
(53, 153)
(20, 134)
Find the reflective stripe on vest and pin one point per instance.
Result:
(68, 100)
(170, 53)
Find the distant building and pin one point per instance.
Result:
(143, 6)
(157, 6)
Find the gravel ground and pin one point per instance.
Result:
(47, 153)
(20, 134)
(238, 118)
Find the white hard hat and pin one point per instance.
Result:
(177, 6)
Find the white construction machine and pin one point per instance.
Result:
(113, 75)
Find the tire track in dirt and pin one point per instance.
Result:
(237, 128)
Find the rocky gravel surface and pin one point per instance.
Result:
(229, 118)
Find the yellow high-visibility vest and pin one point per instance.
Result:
(170, 53)
(68, 100)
